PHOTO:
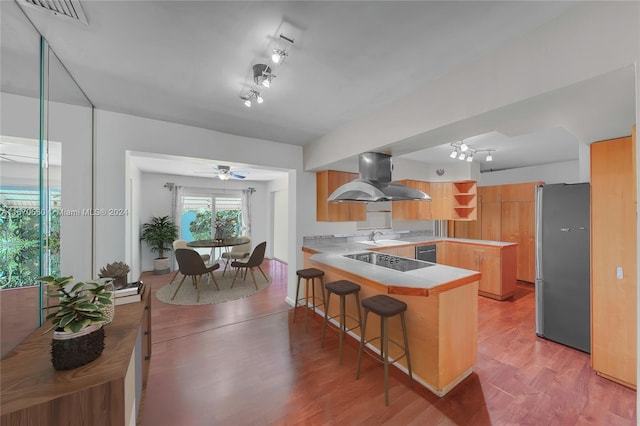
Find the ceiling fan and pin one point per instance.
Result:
(225, 173)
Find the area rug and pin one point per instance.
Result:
(209, 294)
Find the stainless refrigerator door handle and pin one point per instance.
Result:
(582, 228)
(565, 229)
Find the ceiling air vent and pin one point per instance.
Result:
(70, 9)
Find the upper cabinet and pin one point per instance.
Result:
(449, 201)
(328, 181)
(413, 210)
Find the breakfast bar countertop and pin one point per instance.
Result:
(422, 281)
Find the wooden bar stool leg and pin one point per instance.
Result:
(313, 295)
(295, 305)
(406, 347)
(385, 350)
(362, 342)
(343, 320)
(306, 303)
(326, 319)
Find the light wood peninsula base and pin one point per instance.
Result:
(442, 326)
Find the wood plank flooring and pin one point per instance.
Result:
(245, 362)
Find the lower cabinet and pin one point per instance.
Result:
(105, 392)
(497, 264)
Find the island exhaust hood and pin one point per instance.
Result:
(374, 183)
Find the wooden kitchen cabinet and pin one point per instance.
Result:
(506, 213)
(104, 392)
(497, 264)
(402, 251)
(490, 221)
(413, 210)
(613, 246)
(326, 182)
(454, 200)
(518, 225)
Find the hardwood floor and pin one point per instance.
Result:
(245, 362)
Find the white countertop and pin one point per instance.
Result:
(331, 253)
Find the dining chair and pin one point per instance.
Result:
(238, 252)
(254, 261)
(191, 264)
(182, 244)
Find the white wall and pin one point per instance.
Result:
(563, 172)
(155, 200)
(279, 218)
(116, 133)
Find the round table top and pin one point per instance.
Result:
(226, 242)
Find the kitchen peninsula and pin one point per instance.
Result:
(442, 315)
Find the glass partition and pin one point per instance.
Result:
(45, 121)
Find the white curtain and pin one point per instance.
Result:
(176, 207)
(246, 211)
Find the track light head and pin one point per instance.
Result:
(462, 156)
(454, 153)
(489, 157)
(463, 147)
(470, 157)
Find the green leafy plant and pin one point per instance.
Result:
(80, 304)
(159, 234)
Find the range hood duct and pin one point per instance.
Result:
(374, 183)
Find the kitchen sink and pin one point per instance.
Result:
(389, 261)
(383, 243)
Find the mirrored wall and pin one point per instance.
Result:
(45, 175)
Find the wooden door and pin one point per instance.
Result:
(613, 246)
(518, 226)
(441, 200)
(491, 225)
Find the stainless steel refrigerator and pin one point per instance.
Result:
(562, 284)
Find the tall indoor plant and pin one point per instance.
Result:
(79, 312)
(159, 234)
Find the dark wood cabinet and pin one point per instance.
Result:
(104, 392)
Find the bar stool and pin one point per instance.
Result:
(309, 275)
(385, 307)
(341, 288)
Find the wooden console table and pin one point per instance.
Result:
(105, 392)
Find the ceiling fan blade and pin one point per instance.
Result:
(238, 175)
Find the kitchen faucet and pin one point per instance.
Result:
(373, 234)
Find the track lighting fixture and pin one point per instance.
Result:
(462, 152)
(263, 74)
(253, 95)
(280, 52)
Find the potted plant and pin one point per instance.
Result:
(160, 234)
(118, 271)
(77, 323)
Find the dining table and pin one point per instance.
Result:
(219, 243)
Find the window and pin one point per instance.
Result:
(205, 217)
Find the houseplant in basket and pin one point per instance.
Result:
(77, 320)
(159, 234)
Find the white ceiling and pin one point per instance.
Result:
(189, 62)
